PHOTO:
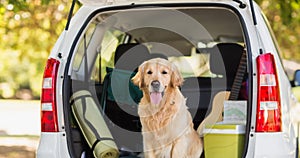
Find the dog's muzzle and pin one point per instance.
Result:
(155, 93)
(155, 86)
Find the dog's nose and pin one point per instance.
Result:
(155, 85)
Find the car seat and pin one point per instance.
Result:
(120, 97)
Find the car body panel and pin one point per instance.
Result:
(52, 145)
(265, 145)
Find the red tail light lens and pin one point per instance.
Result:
(48, 99)
(268, 116)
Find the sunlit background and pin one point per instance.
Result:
(29, 29)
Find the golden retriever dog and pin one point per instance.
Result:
(167, 126)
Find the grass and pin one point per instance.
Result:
(16, 152)
(18, 146)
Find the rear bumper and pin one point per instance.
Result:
(52, 145)
(274, 145)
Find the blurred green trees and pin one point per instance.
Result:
(29, 29)
(284, 18)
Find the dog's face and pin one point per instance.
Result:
(155, 76)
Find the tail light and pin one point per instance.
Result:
(48, 98)
(268, 116)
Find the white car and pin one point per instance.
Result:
(89, 105)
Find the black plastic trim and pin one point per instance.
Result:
(70, 14)
(253, 12)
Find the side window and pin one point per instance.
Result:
(105, 58)
(194, 65)
(81, 49)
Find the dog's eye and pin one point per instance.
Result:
(164, 72)
(149, 72)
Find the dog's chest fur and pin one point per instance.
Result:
(158, 116)
(169, 118)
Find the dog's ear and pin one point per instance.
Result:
(138, 79)
(176, 78)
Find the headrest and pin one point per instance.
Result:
(130, 56)
(225, 59)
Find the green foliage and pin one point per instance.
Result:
(284, 17)
(28, 30)
(286, 9)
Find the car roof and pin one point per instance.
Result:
(111, 2)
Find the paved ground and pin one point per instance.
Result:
(19, 128)
(19, 117)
